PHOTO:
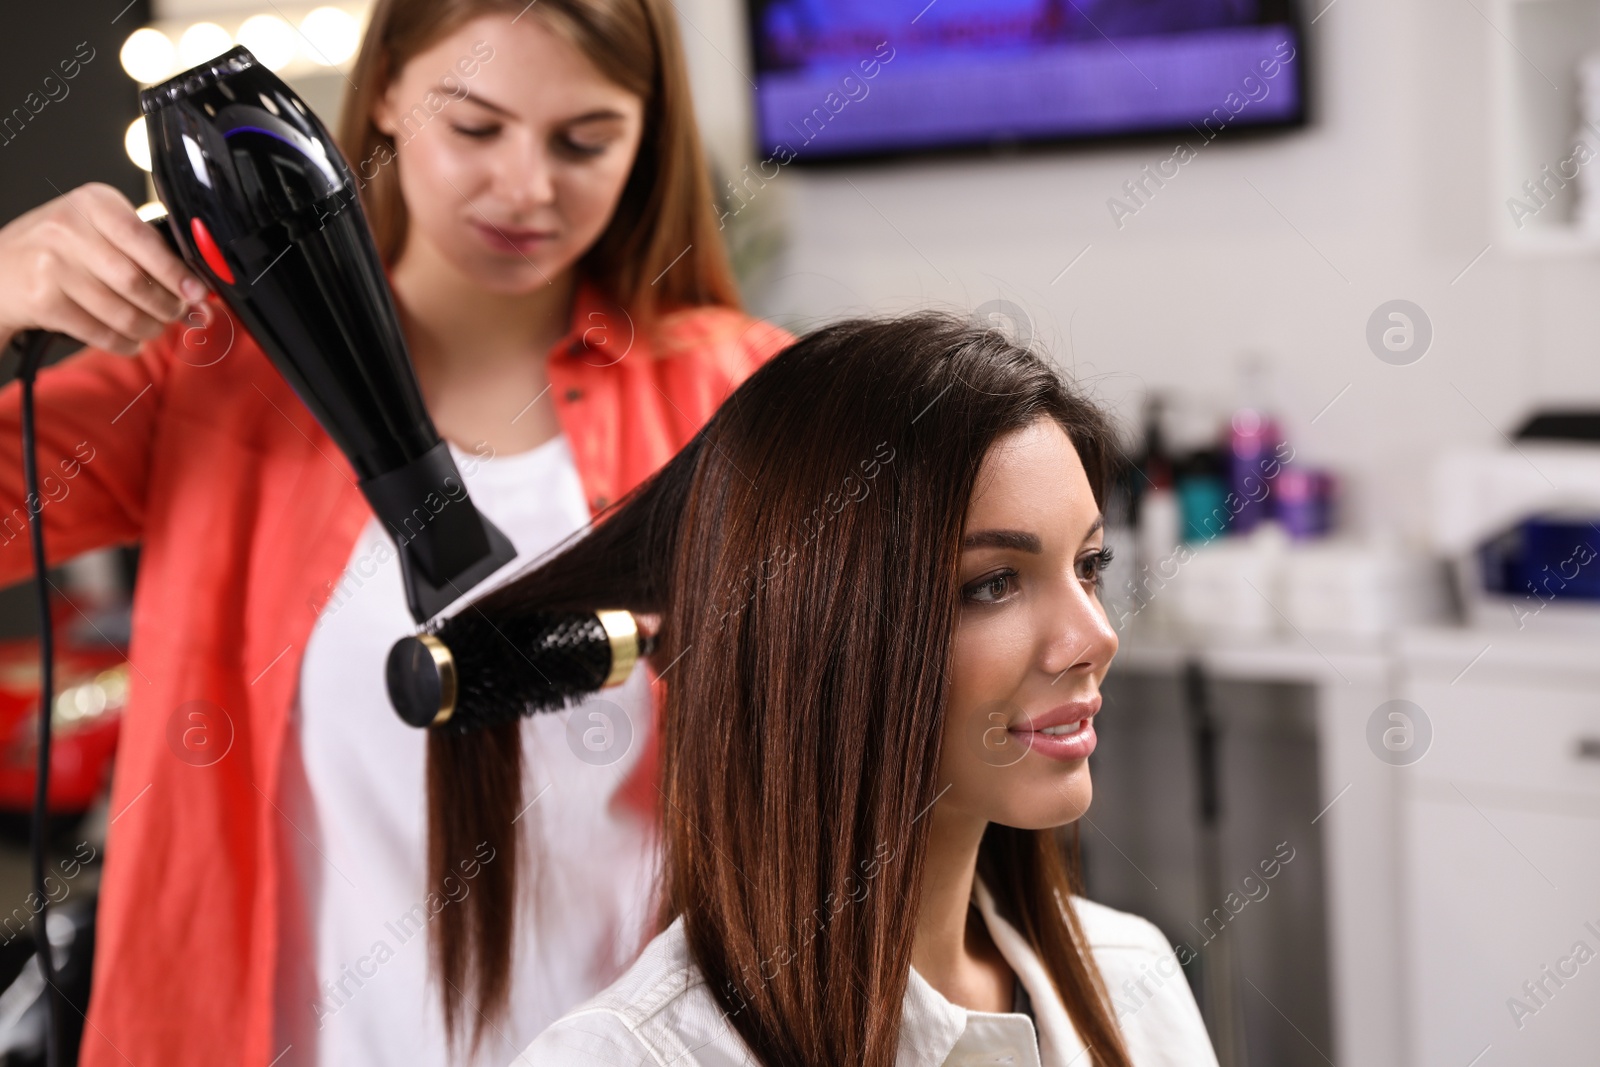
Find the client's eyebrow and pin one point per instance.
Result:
(1020, 540)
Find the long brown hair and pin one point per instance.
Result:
(803, 553)
(666, 207)
(664, 217)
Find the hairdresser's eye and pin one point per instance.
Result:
(583, 148)
(1091, 568)
(477, 133)
(990, 589)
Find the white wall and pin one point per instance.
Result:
(1282, 245)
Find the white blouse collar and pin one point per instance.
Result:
(933, 1029)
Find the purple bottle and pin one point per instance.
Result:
(1253, 439)
(1304, 501)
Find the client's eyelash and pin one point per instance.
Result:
(1100, 560)
(1097, 561)
(970, 591)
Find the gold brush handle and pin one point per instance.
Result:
(623, 632)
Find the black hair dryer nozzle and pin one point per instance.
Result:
(264, 207)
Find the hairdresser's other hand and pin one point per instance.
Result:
(648, 624)
(86, 265)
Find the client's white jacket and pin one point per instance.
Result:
(661, 1011)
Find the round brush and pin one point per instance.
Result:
(467, 672)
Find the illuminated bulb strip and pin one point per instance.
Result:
(304, 40)
(272, 40)
(147, 55)
(107, 692)
(136, 142)
(329, 36)
(200, 42)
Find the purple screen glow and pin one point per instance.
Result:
(844, 77)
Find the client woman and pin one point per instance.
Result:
(877, 573)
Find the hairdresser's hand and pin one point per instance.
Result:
(649, 624)
(84, 264)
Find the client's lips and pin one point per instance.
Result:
(1063, 733)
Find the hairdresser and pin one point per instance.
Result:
(537, 190)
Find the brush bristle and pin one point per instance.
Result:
(532, 662)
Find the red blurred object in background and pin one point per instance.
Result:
(91, 684)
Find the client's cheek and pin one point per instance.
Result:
(989, 661)
(987, 764)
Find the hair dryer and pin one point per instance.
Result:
(262, 203)
(264, 206)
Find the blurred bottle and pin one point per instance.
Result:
(1118, 594)
(1253, 440)
(1203, 494)
(1305, 497)
(1192, 426)
(1159, 521)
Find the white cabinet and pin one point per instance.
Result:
(1500, 856)
(1453, 880)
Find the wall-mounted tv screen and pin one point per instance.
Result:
(842, 78)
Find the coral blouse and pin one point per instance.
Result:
(247, 514)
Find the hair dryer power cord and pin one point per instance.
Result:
(33, 345)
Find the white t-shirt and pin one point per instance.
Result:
(352, 985)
